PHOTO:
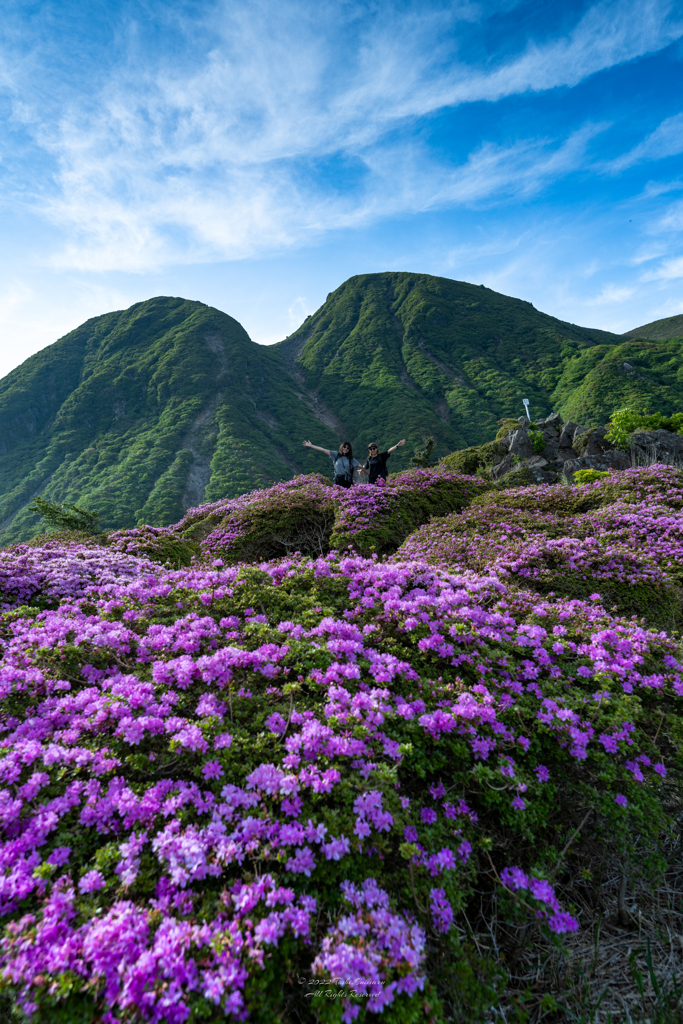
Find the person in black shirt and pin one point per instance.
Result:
(376, 464)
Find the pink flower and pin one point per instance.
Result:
(91, 881)
(212, 770)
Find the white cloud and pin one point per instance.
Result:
(610, 293)
(672, 219)
(668, 270)
(298, 311)
(660, 188)
(665, 140)
(224, 152)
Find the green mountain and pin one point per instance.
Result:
(660, 330)
(142, 413)
(395, 353)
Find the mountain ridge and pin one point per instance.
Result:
(142, 413)
(659, 330)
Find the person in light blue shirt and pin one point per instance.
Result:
(345, 466)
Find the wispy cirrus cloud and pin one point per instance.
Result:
(665, 140)
(610, 293)
(279, 123)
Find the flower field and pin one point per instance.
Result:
(289, 790)
(306, 514)
(630, 549)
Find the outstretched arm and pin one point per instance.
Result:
(325, 451)
(397, 445)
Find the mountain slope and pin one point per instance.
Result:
(145, 412)
(394, 352)
(142, 413)
(669, 327)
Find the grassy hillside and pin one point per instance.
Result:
(669, 327)
(143, 413)
(394, 352)
(643, 374)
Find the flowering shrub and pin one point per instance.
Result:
(371, 518)
(657, 484)
(222, 785)
(48, 575)
(159, 543)
(296, 515)
(309, 515)
(632, 554)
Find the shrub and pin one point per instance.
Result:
(53, 573)
(423, 456)
(378, 519)
(507, 426)
(65, 538)
(537, 439)
(656, 484)
(629, 555)
(162, 544)
(470, 460)
(589, 476)
(297, 515)
(624, 422)
(64, 515)
(225, 780)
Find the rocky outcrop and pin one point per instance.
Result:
(550, 451)
(650, 446)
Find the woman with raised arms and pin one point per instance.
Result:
(376, 463)
(344, 463)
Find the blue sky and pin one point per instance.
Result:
(254, 155)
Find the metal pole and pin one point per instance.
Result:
(525, 403)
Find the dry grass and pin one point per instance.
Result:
(623, 966)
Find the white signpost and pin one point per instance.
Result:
(525, 403)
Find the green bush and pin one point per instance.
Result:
(423, 455)
(624, 422)
(64, 515)
(507, 426)
(589, 476)
(472, 460)
(537, 439)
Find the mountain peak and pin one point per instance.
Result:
(142, 413)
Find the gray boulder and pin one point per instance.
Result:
(535, 470)
(649, 446)
(567, 435)
(606, 461)
(519, 444)
(505, 466)
(554, 420)
(592, 443)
